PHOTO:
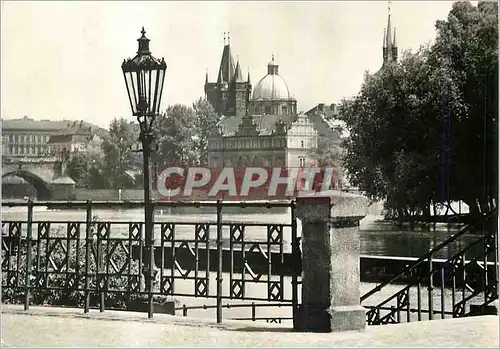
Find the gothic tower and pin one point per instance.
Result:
(390, 46)
(230, 94)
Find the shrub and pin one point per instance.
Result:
(65, 272)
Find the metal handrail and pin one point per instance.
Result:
(422, 259)
(448, 262)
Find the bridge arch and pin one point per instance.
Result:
(43, 189)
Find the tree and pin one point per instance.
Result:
(467, 45)
(78, 170)
(206, 121)
(390, 148)
(418, 128)
(174, 132)
(118, 155)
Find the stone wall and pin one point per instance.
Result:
(17, 190)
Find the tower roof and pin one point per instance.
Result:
(389, 44)
(271, 87)
(238, 77)
(388, 35)
(227, 66)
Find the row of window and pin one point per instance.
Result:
(248, 143)
(258, 144)
(25, 150)
(256, 161)
(12, 138)
(37, 150)
(284, 110)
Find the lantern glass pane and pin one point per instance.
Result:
(161, 78)
(131, 82)
(140, 84)
(153, 87)
(147, 89)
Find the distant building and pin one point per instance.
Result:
(325, 114)
(262, 128)
(76, 137)
(27, 137)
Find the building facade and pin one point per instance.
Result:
(260, 127)
(26, 137)
(77, 137)
(29, 138)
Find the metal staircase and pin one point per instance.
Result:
(450, 287)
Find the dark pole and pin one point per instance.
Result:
(146, 138)
(138, 74)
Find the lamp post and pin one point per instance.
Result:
(144, 76)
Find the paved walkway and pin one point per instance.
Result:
(63, 327)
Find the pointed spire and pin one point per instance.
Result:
(227, 66)
(390, 50)
(248, 77)
(206, 76)
(389, 29)
(220, 79)
(238, 77)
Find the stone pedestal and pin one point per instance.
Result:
(330, 264)
(63, 188)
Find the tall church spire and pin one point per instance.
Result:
(389, 47)
(388, 37)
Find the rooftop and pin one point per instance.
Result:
(63, 126)
(28, 124)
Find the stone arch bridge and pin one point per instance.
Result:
(42, 173)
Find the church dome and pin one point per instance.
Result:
(271, 87)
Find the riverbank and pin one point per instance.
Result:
(59, 327)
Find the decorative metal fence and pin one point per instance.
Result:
(94, 264)
(473, 282)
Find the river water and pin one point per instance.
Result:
(377, 237)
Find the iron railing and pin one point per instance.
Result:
(473, 278)
(90, 263)
(253, 308)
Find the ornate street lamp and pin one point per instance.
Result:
(144, 76)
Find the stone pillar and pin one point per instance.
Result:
(330, 264)
(63, 188)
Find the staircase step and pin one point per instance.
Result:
(481, 309)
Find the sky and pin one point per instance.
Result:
(62, 59)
